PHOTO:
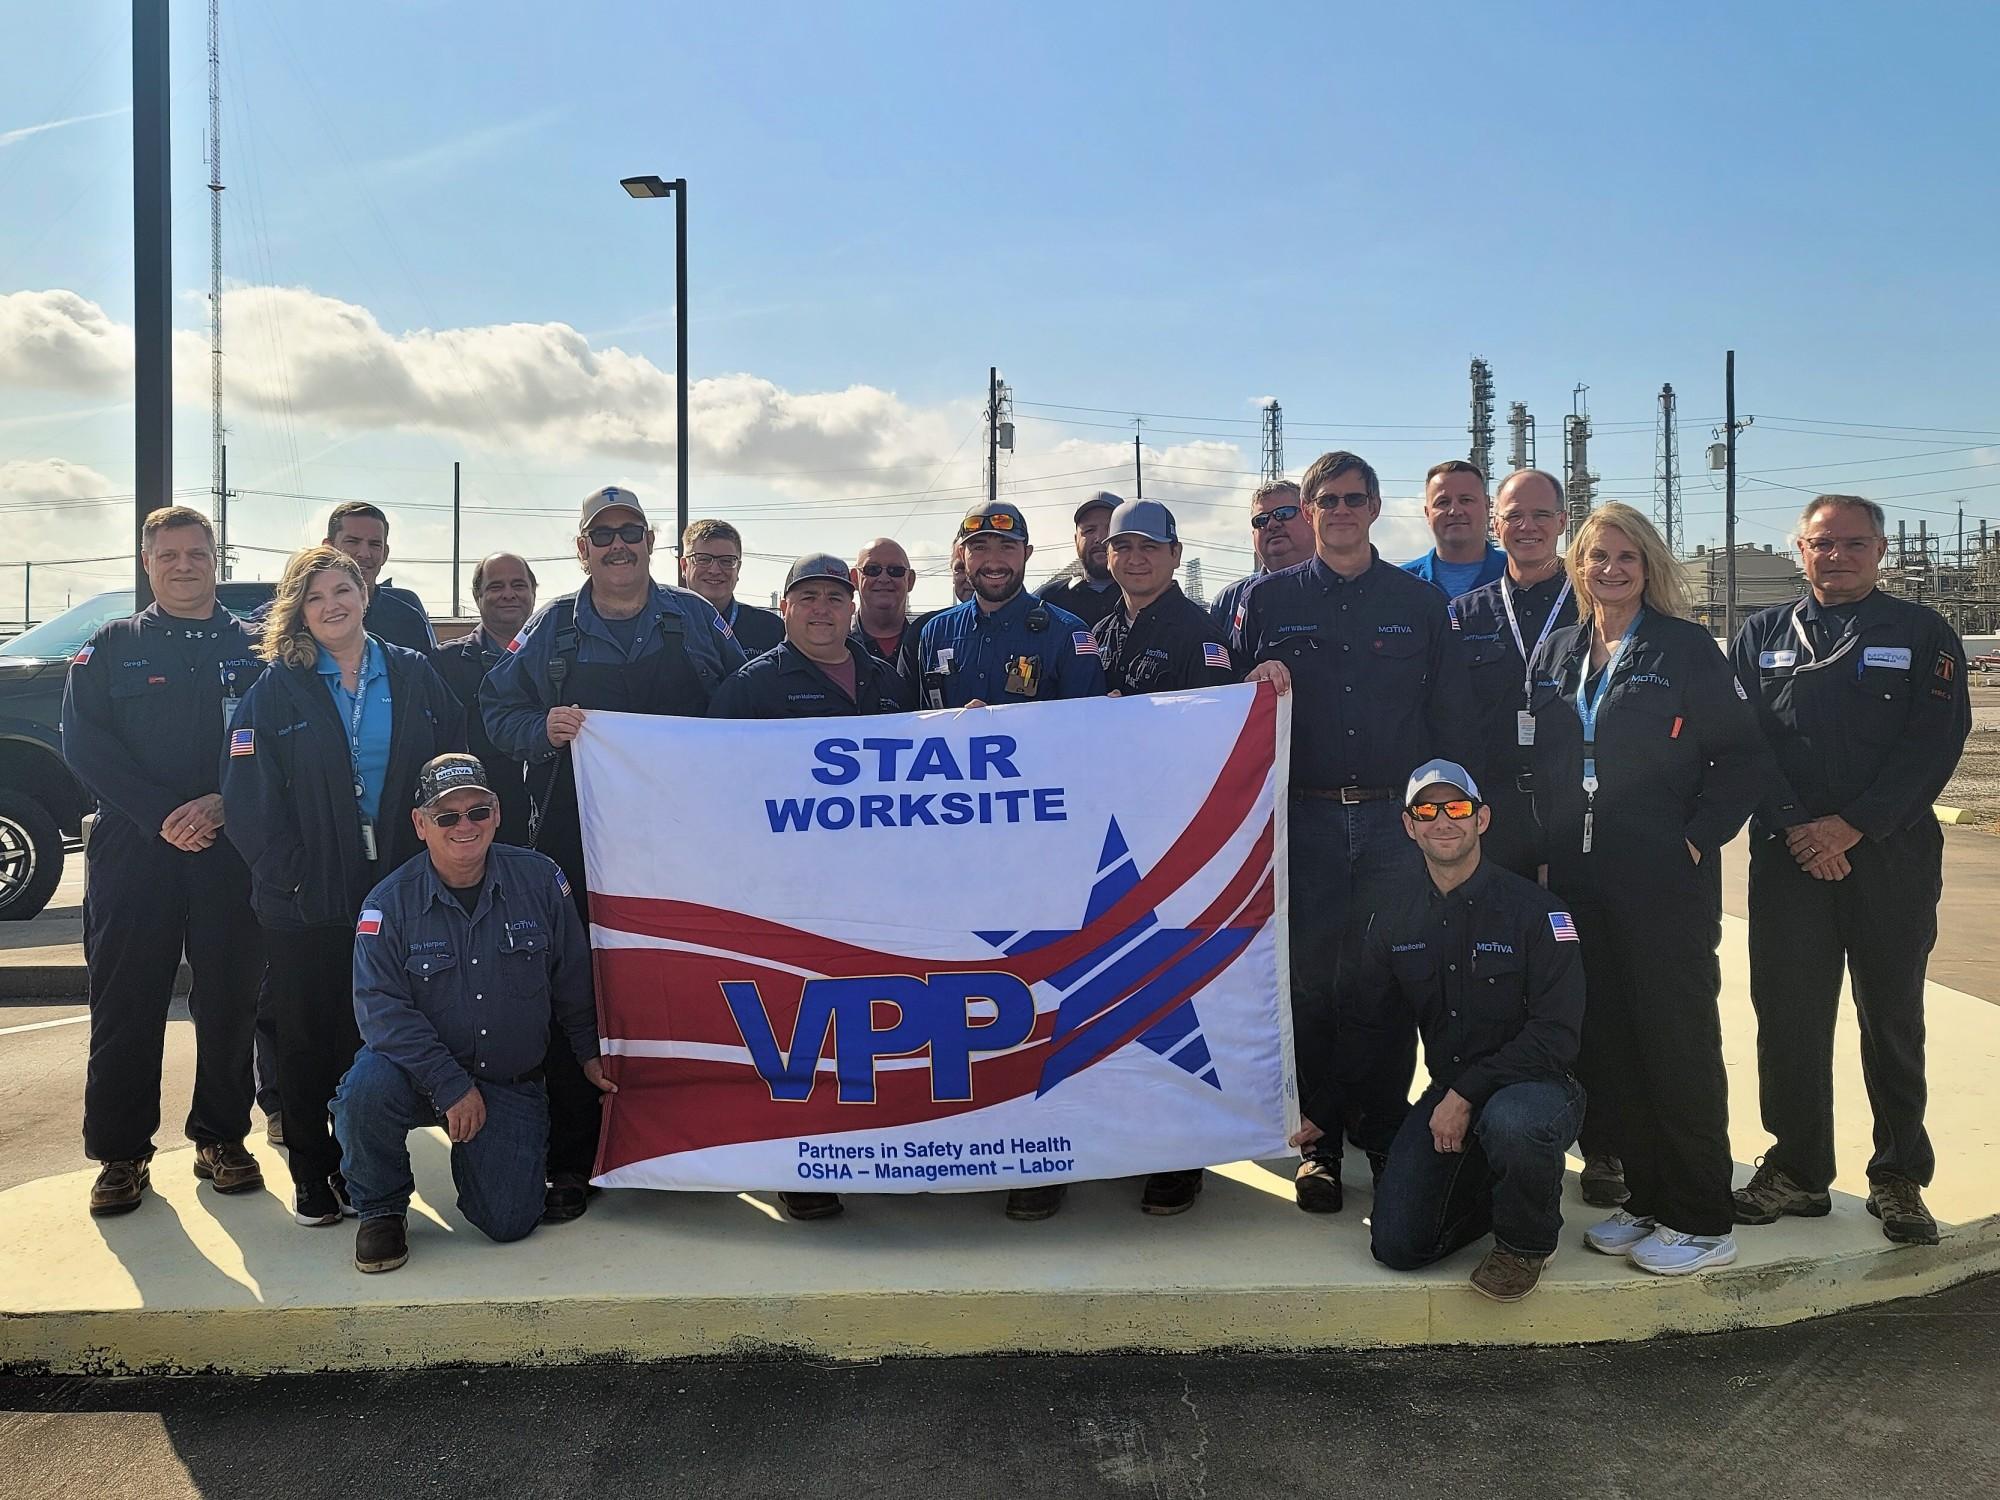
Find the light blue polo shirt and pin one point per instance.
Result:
(377, 718)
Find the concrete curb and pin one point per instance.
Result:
(872, 1325)
(1950, 815)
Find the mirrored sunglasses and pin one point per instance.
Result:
(1458, 810)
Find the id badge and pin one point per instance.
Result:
(368, 840)
(229, 712)
(1524, 727)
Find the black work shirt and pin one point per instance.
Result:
(142, 716)
(788, 684)
(1498, 665)
(756, 630)
(1088, 600)
(1172, 645)
(398, 617)
(1490, 973)
(1867, 715)
(1378, 677)
(463, 664)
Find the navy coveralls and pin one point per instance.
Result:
(143, 729)
(680, 653)
(1378, 688)
(1867, 711)
(1679, 761)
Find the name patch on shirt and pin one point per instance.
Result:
(1886, 656)
(1394, 630)
(1493, 948)
(1778, 659)
(1408, 947)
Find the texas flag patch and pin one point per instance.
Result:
(515, 644)
(1213, 655)
(1563, 926)
(370, 924)
(1086, 643)
(83, 656)
(242, 742)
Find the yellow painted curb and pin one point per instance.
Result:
(872, 1325)
(1950, 814)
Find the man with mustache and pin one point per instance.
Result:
(1091, 595)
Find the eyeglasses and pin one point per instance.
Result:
(631, 534)
(1822, 546)
(999, 522)
(1278, 513)
(1353, 500)
(876, 570)
(720, 560)
(479, 814)
(1458, 810)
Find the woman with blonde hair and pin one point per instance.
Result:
(1647, 760)
(317, 784)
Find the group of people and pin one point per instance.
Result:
(1512, 773)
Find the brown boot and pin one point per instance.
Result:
(119, 1187)
(1507, 1277)
(231, 1168)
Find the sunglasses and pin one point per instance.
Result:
(1001, 522)
(876, 570)
(1278, 513)
(480, 814)
(631, 534)
(1458, 810)
(1353, 499)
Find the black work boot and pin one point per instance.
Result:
(1318, 1185)
(1171, 1192)
(381, 1244)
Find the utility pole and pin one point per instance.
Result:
(1482, 418)
(27, 595)
(454, 539)
(992, 434)
(1274, 441)
(1522, 426)
(1668, 455)
(1138, 463)
(1729, 495)
(218, 460)
(1580, 483)
(152, 274)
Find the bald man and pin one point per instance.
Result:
(503, 591)
(883, 578)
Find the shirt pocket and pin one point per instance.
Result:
(524, 956)
(1877, 702)
(1400, 662)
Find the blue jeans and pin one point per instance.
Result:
(1507, 1179)
(1348, 861)
(499, 1172)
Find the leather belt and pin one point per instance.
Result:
(533, 1075)
(1347, 794)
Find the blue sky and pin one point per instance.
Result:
(1165, 210)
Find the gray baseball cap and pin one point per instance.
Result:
(1104, 498)
(599, 501)
(1146, 518)
(453, 772)
(1440, 773)
(819, 565)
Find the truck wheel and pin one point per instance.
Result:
(31, 857)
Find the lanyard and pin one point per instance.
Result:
(1527, 656)
(354, 725)
(1587, 706)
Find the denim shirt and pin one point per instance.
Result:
(454, 998)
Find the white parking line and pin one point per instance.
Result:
(43, 1025)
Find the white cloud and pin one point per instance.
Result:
(21, 133)
(56, 340)
(42, 520)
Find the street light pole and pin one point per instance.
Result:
(152, 277)
(660, 187)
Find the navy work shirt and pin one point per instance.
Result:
(1378, 676)
(1865, 706)
(756, 630)
(1490, 972)
(1170, 646)
(788, 684)
(453, 998)
(1084, 597)
(965, 653)
(463, 664)
(1499, 667)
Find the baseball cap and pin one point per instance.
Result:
(1440, 772)
(996, 516)
(1104, 498)
(602, 500)
(445, 774)
(1146, 518)
(819, 565)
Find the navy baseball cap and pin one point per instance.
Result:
(453, 772)
(1146, 518)
(1440, 773)
(611, 496)
(1104, 498)
(996, 516)
(819, 565)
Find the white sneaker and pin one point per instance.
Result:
(1617, 1234)
(1668, 1252)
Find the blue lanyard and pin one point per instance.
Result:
(354, 724)
(1588, 704)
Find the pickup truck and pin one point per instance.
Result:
(41, 804)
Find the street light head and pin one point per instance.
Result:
(647, 187)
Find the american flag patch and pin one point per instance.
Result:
(84, 655)
(370, 924)
(1563, 926)
(1086, 643)
(563, 881)
(242, 742)
(1213, 654)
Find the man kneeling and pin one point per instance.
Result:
(460, 955)
(1487, 963)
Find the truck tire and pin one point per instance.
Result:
(31, 857)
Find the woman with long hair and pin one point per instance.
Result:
(317, 782)
(1647, 760)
